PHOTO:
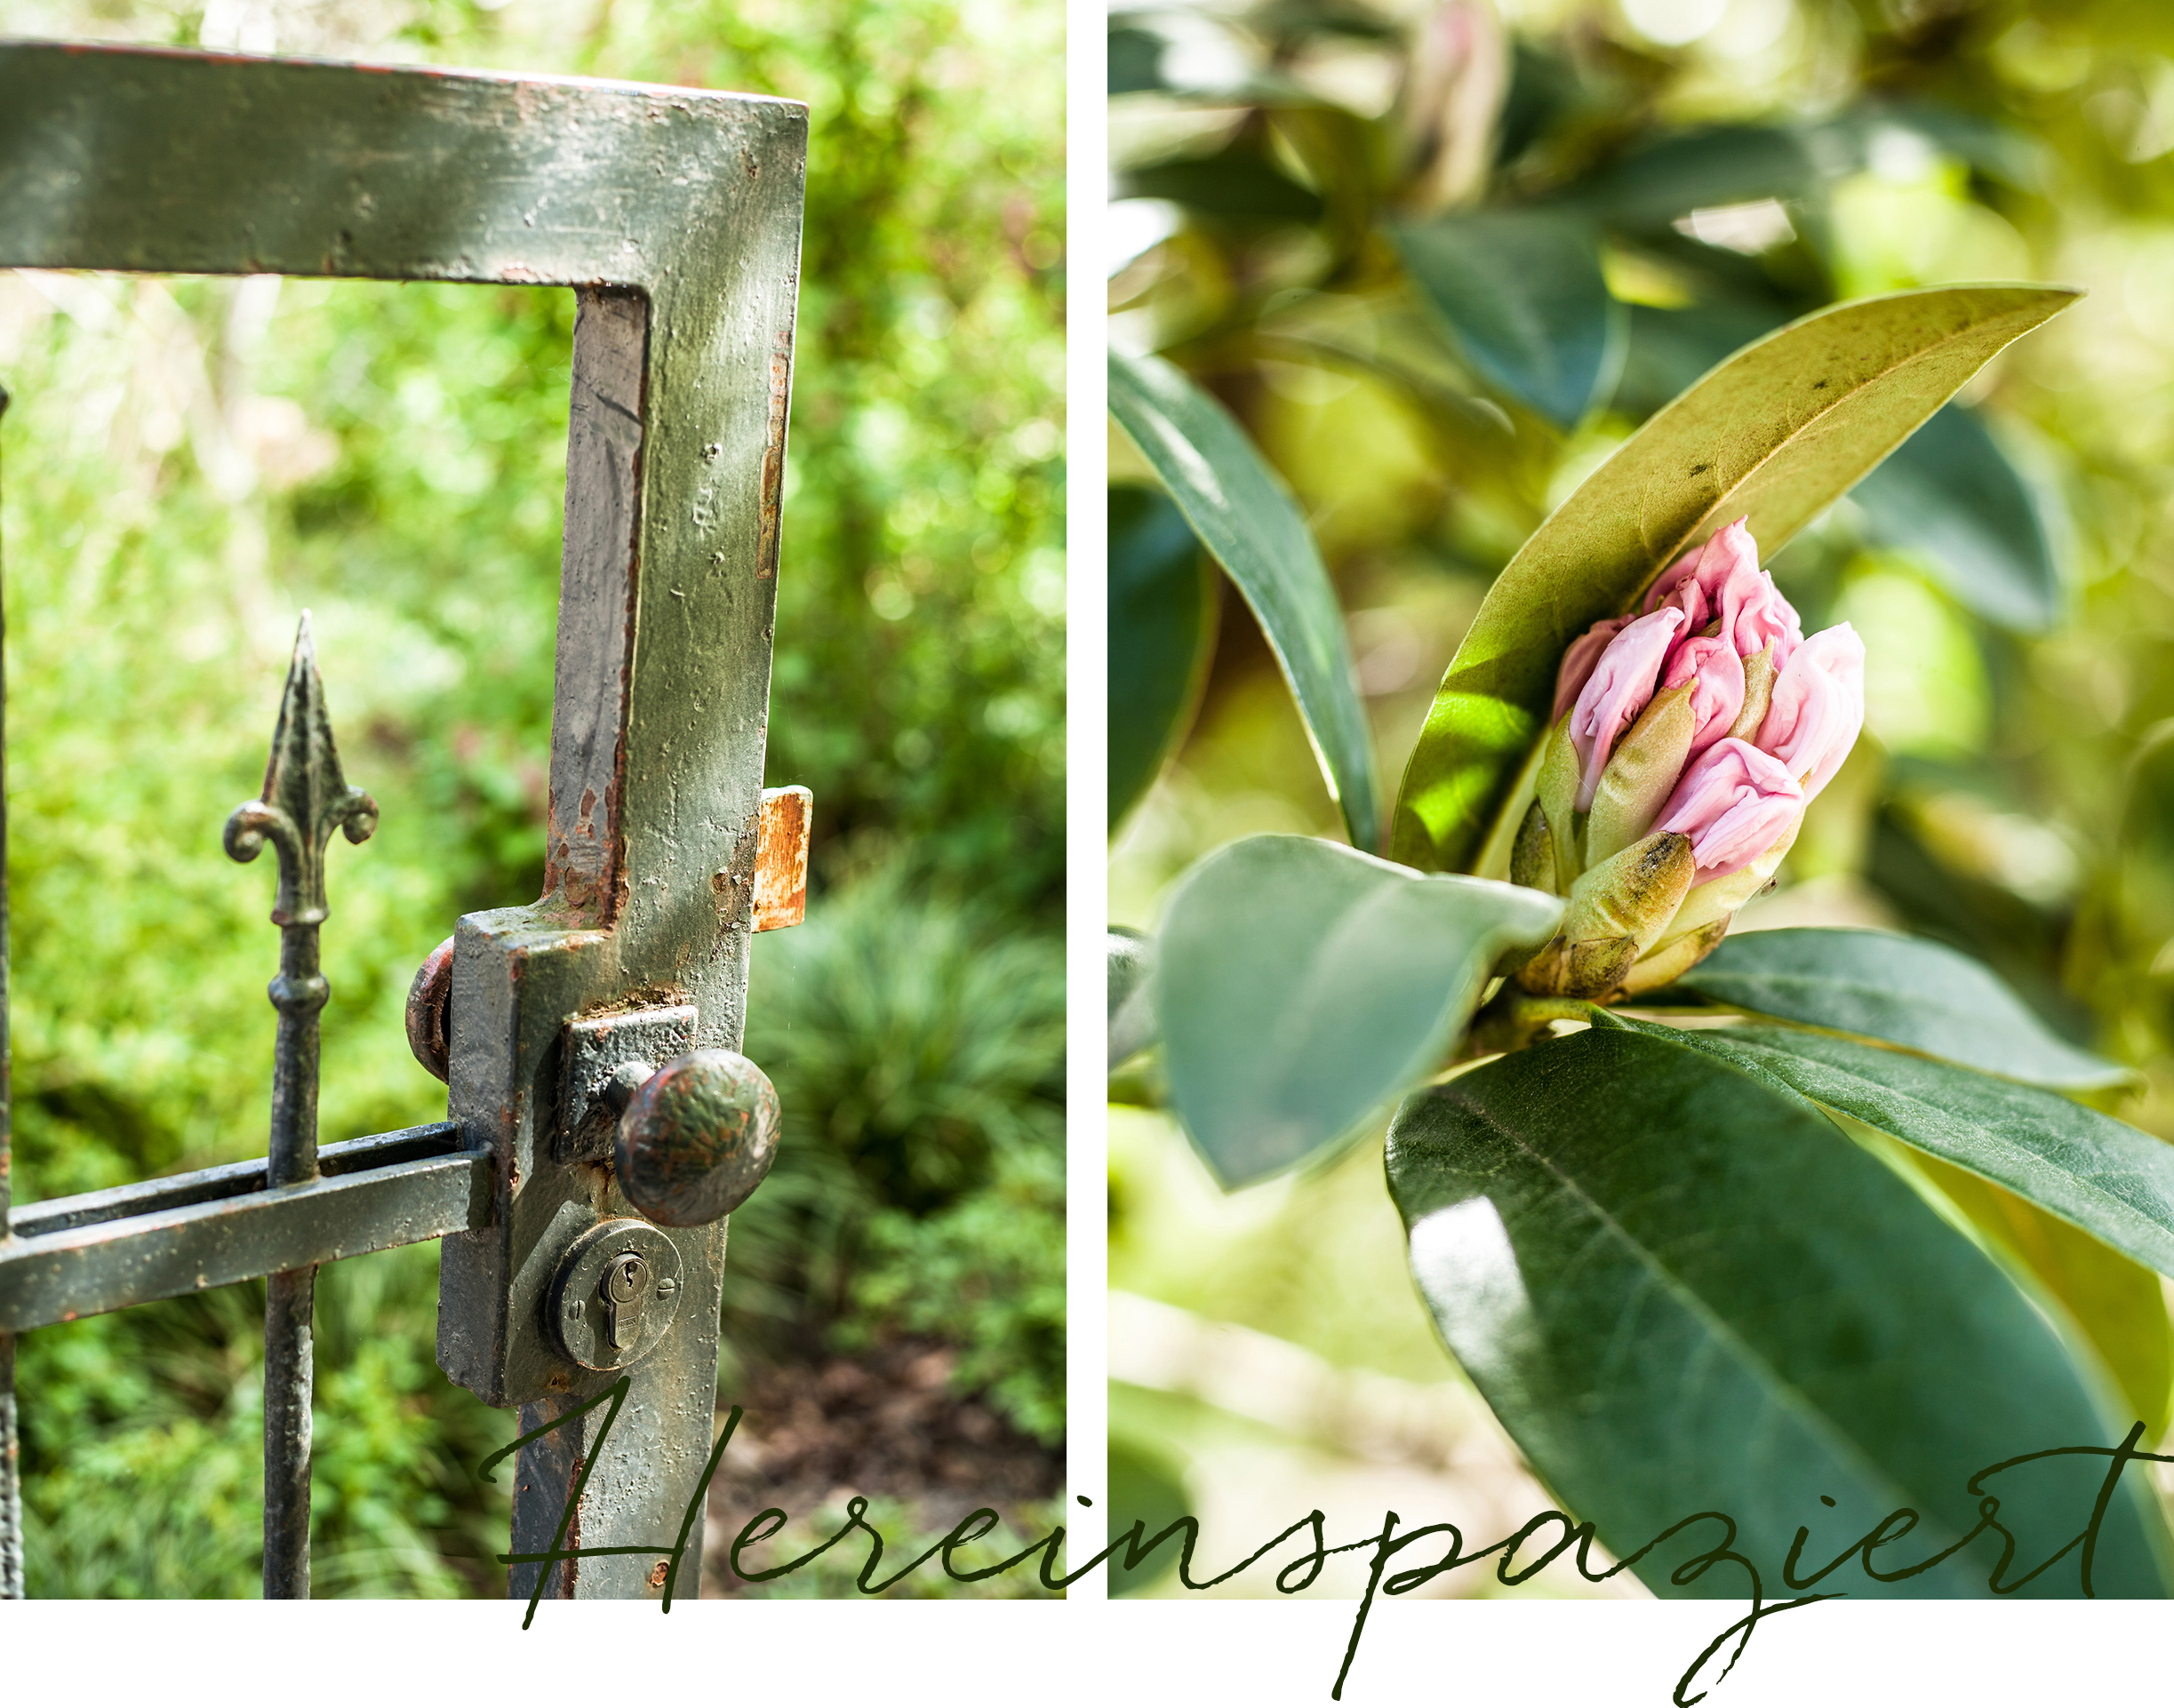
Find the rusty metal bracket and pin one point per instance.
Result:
(597, 1049)
(782, 858)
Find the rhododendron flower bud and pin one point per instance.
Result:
(1617, 911)
(1686, 740)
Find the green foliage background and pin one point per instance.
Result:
(2012, 794)
(190, 461)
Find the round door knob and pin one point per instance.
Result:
(430, 1001)
(696, 1136)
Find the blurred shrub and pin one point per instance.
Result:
(924, 1036)
(143, 1437)
(918, 1051)
(924, 487)
(987, 1275)
(907, 1532)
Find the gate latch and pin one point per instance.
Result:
(691, 1140)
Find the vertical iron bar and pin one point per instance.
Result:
(299, 995)
(290, 1299)
(289, 1296)
(11, 1443)
(305, 799)
(11, 1480)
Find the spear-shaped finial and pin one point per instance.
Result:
(304, 797)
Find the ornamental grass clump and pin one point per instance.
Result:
(1688, 737)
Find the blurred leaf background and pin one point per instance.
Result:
(1439, 261)
(190, 461)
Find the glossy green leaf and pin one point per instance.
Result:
(1147, 56)
(1244, 516)
(1522, 291)
(2095, 1171)
(2113, 1304)
(1904, 990)
(1131, 997)
(1544, 90)
(1682, 1291)
(2061, 1169)
(1649, 187)
(1949, 494)
(1162, 637)
(1987, 145)
(1777, 433)
(1301, 986)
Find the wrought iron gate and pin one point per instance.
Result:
(578, 1191)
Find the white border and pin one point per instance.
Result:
(1087, 788)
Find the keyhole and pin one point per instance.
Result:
(625, 1285)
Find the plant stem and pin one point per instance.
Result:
(1512, 1019)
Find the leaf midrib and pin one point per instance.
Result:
(2051, 1049)
(1838, 1440)
(2086, 1183)
(1721, 501)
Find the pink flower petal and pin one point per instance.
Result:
(1818, 707)
(1732, 801)
(1621, 684)
(1578, 661)
(1669, 580)
(1754, 615)
(1763, 618)
(1710, 664)
(1724, 580)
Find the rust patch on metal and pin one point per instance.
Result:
(773, 461)
(583, 876)
(658, 1573)
(571, 1568)
(726, 887)
(781, 857)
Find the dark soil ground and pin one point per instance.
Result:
(887, 1425)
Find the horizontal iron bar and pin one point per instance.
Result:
(72, 1258)
(229, 1180)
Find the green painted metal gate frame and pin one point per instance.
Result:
(676, 215)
